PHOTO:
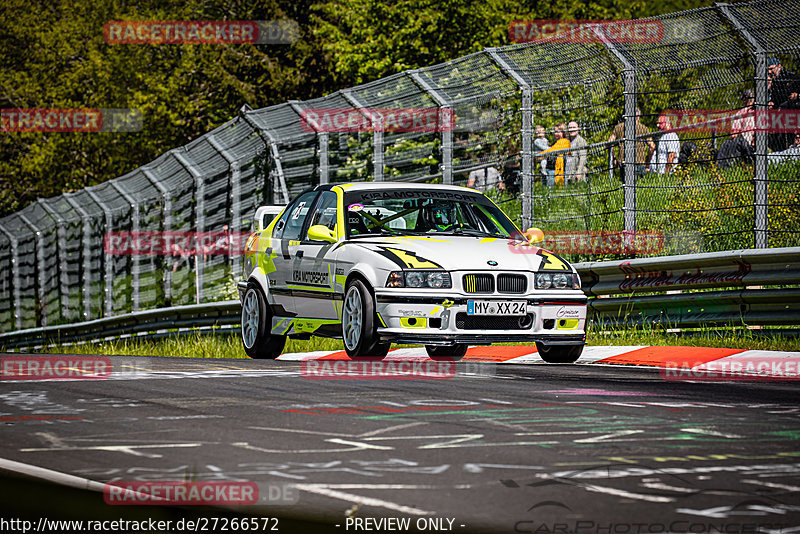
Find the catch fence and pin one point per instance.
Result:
(54, 268)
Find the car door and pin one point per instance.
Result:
(315, 269)
(286, 240)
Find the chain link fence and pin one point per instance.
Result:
(505, 101)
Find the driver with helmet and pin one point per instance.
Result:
(441, 215)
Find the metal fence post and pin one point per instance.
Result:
(63, 277)
(630, 118)
(444, 103)
(199, 218)
(135, 230)
(108, 269)
(86, 230)
(15, 277)
(276, 173)
(760, 183)
(324, 158)
(235, 173)
(376, 120)
(166, 225)
(37, 236)
(322, 143)
(512, 70)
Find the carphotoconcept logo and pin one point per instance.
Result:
(175, 243)
(377, 370)
(54, 120)
(181, 32)
(221, 493)
(377, 119)
(586, 31)
(55, 368)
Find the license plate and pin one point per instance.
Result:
(497, 307)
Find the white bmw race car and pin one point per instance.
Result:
(381, 263)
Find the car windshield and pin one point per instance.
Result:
(412, 212)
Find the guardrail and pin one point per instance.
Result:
(667, 291)
(213, 317)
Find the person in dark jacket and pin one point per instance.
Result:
(780, 82)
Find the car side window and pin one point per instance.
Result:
(278, 229)
(325, 211)
(295, 216)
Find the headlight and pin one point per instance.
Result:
(415, 279)
(560, 281)
(556, 281)
(432, 279)
(438, 280)
(543, 281)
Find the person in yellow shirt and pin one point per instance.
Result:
(555, 163)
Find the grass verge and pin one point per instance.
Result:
(229, 345)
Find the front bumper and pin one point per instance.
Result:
(552, 318)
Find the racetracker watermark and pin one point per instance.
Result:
(70, 120)
(589, 242)
(161, 32)
(724, 121)
(216, 493)
(377, 370)
(377, 119)
(744, 368)
(175, 243)
(55, 368)
(586, 31)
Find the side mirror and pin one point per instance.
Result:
(534, 235)
(320, 232)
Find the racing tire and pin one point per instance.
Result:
(447, 352)
(559, 353)
(257, 340)
(359, 324)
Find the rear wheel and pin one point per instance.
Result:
(447, 352)
(257, 339)
(358, 323)
(559, 353)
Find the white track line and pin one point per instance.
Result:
(51, 476)
(323, 489)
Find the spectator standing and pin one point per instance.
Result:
(642, 149)
(779, 82)
(555, 162)
(540, 144)
(740, 146)
(577, 158)
(791, 103)
(744, 122)
(483, 179)
(666, 153)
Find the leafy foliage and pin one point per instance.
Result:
(52, 54)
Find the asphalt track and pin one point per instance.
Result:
(584, 448)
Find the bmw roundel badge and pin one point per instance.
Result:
(492, 263)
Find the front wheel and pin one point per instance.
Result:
(446, 352)
(258, 341)
(559, 353)
(358, 323)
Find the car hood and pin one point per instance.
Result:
(458, 253)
